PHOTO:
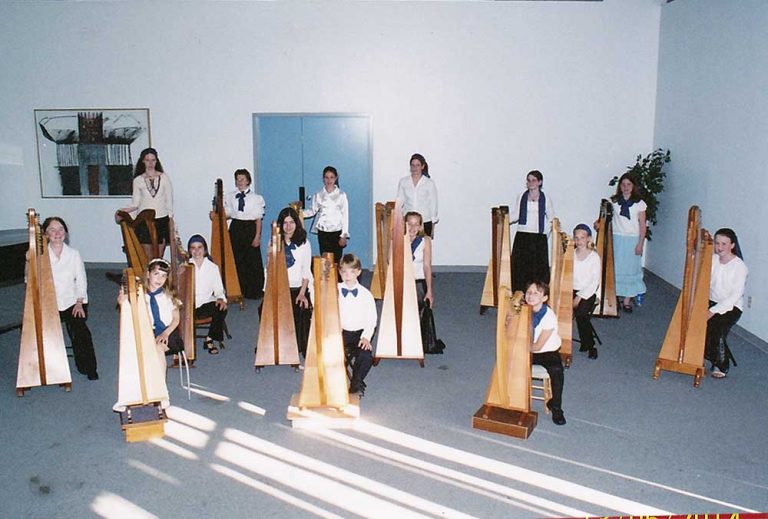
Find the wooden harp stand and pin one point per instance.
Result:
(141, 371)
(221, 249)
(324, 396)
(183, 283)
(400, 329)
(277, 343)
(683, 347)
(383, 242)
(561, 289)
(606, 302)
(42, 353)
(134, 252)
(507, 407)
(500, 266)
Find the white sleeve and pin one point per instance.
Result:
(371, 316)
(306, 260)
(344, 216)
(433, 198)
(735, 292)
(228, 209)
(136, 194)
(400, 192)
(314, 208)
(169, 195)
(593, 277)
(81, 281)
(218, 284)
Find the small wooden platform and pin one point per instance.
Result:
(505, 421)
(324, 417)
(679, 367)
(21, 390)
(142, 423)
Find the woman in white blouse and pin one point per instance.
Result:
(586, 280)
(71, 294)
(629, 228)
(330, 208)
(418, 193)
(421, 251)
(298, 259)
(152, 190)
(726, 299)
(530, 251)
(210, 299)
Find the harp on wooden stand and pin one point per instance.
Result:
(221, 249)
(383, 245)
(183, 284)
(606, 303)
(683, 347)
(134, 252)
(142, 394)
(42, 353)
(324, 399)
(507, 407)
(400, 329)
(561, 289)
(277, 343)
(500, 266)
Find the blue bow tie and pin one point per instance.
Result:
(345, 291)
(241, 200)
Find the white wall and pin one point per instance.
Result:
(485, 90)
(712, 112)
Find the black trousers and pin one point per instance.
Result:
(82, 342)
(162, 228)
(250, 268)
(175, 344)
(429, 229)
(360, 359)
(329, 242)
(718, 327)
(554, 365)
(216, 330)
(530, 259)
(583, 315)
(302, 320)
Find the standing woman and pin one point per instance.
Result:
(210, 299)
(331, 211)
(298, 259)
(530, 252)
(152, 190)
(246, 209)
(726, 299)
(419, 193)
(629, 230)
(421, 249)
(586, 280)
(71, 294)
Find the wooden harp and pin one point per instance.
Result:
(141, 390)
(606, 302)
(277, 343)
(42, 353)
(400, 329)
(499, 271)
(507, 407)
(134, 252)
(221, 248)
(683, 348)
(383, 245)
(183, 284)
(561, 289)
(324, 388)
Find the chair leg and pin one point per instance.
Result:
(547, 393)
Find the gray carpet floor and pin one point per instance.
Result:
(632, 445)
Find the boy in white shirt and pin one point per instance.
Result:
(358, 315)
(546, 344)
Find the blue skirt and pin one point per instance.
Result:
(629, 267)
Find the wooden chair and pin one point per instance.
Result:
(499, 271)
(540, 373)
(383, 244)
(683, 348)
(561, 289)
(606, 298)
(221, 248)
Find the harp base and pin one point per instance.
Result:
(376, 360)
(679, 367)
(21, 390)
(484, 308)
(143, 422)
(324, 417)
(505, 421)
(257, 367)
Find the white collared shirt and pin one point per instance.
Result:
(208, 284)
(68, 277)
(532, 218)
(358, 312)
(162, 202)
(253, 210)
(548, 322)
(421, 198)
(586, 274)
(331, 211)
(302, 266)
(727, 283)
(165, 305)
(627, 226)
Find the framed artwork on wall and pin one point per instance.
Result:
(89, 153)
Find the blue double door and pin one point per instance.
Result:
(291, 151)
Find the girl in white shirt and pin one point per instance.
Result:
(421, 249)
(210, 299)
(586, 280)
(726, 293)
(71, 288)
(629, 228)
(298, 258)
(530, 251)
(419, 193)
(330, 208)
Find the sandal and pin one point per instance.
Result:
(212, 349)
(718, 374)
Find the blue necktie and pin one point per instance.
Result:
(240, 200)
(289, 259)
(415, 245)
(345, 291)
(157, 323)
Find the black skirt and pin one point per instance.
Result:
(530, 259)
(163, 234)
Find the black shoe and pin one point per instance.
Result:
(93, 376)
(627, 309)
(558, 417)
(592, 353)
(583, 347)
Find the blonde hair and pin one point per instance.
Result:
(421, 221)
